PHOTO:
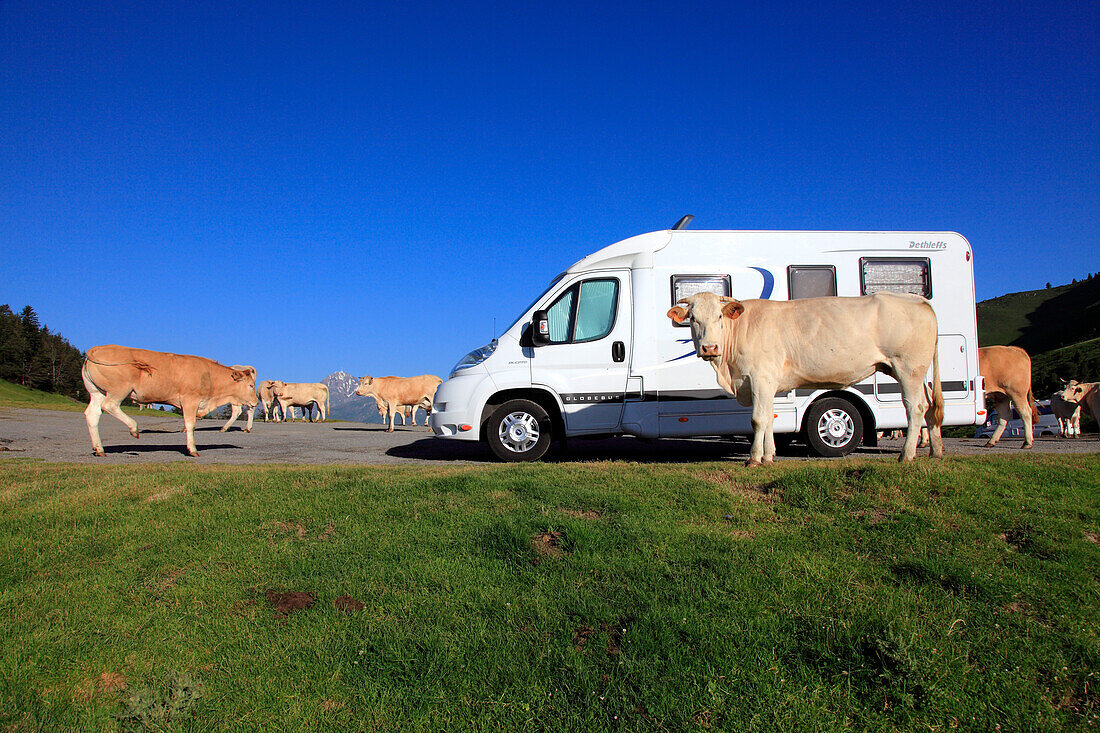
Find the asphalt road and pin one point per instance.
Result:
(63, 436)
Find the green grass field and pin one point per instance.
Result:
(14, 395)
(855, 594)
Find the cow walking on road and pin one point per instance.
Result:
(395, 393)
(194, 384)
(761, 347)
(1006, 371)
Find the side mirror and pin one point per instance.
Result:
(540, 329)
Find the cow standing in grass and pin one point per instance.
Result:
(194, 384)
(761, 347)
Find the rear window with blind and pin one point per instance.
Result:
(896, 275)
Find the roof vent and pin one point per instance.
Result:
(683, 223)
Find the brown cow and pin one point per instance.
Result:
(1083, 393)
(759, 348)
(194, 384)
(393, 393)
(1007, 374)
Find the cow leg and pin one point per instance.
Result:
(912, 396)
(392, 409)
(92, 414)
(251, 413)
(1024, 407)
(233, 415)
(934, 433)
(112, 406)
(1001, 405)
(763, 440)
(190, 411)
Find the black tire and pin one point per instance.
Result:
(519, 430)
(833, 427)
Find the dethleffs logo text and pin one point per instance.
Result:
(928, 245)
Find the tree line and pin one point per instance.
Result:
(34, 357)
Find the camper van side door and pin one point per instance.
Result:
(586, 360)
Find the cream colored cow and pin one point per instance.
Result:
(194, 384)
(265, 391)
(761, 347)
(1068, 413)
(301, 394)
(1084, 393)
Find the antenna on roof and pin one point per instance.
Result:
(683, 223)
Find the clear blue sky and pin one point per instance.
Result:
(308, 187)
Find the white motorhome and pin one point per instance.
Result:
(607, 360)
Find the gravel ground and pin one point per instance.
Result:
(63, 436)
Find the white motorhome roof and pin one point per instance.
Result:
(637, 251)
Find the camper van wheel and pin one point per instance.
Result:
(518, 430)
(833, 427)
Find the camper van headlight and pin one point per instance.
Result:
(475, 357)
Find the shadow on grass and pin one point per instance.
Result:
(619, 448)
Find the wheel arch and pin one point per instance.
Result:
(541, 397)
(870, 436)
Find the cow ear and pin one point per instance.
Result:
(238, 375)
(733, 309)
(677, 313)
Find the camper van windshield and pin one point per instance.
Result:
(530, 305)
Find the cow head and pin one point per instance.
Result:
(365, 388)
(277, 387)
(245, 379)
(1073, 391)
(710, 315)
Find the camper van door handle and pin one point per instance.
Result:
(618, 351)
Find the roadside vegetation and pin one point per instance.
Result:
(825, 595)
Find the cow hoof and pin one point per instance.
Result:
(223, 430)
(989, 445)
(1026, 446)
(193, 453)
(752, 464)
(248, 430)
(134, 433)
(99, 453)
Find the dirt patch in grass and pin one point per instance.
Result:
(329, 705)
(1093, 537)
(727, 482)
(583, 634)
(581, 513)
(290, 530)
(548, 544)
(871, 516)
(164, 494)
(106, 683)
(742, 534)
(1018, 607)
(347, 604)
(288, 602)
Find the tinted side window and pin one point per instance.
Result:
(811, 281)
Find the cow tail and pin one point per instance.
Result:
(936, 413)
(1034, 407)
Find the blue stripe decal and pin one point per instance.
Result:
(769, 282)
(690, 353)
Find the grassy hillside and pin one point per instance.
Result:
(1079, 361)
(1042, 320)
(956, 594)
(14, 395)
